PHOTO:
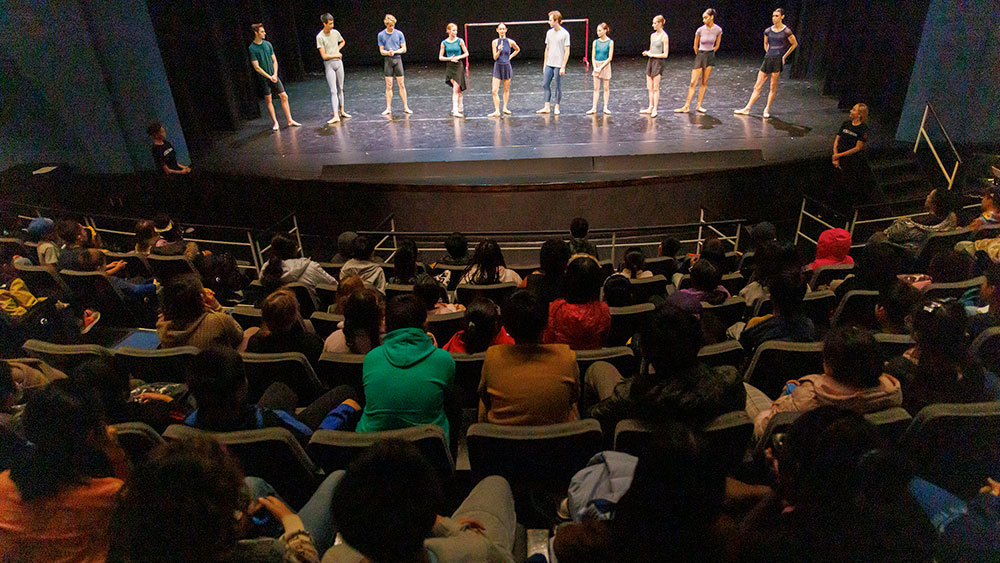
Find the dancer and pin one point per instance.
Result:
(330, 42)
(266, 65)
(453, 50)
(556, 57)
(706, 42)
(392, 44)
(602, 53)
(504, 50)
(779, 42)
(659, 49)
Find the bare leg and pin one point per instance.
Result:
(607, 95)
(270, 109)
(761, 78)
(496, 97)
(388, 95)
(656, 94)
(649, 90)
(454, 98)
(704, 87)
(402, 93)
(770, 95)
(597, 95)
(506, 95)
(287, 109)
(695, 75)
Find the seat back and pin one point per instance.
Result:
(727, 438)
(733, 283)
(307, 302)
(953, 290)
(167, 267)
(272, 454)
(665, 266)
(940, 242)
(64, 357)
(645, 288)
(41, 281)
(444, 325)
(333, 449)
(818, 306)
(468, 372)
(246, 316)
(892, 345)
(290, 368)
(164, 364)
(728, 312)
(622, 357)
(776, 362)
(857, 307)
(779, 423)
(394, 289)
(10, 246)
(530, 456)
(955, 445)
(325, 324)
(327, 296)
(986, 347)
(336, 369)
(94, 290)
(890, 423)
(823, 275)
(725, 353)
(497, 292)
(137, 439)
(253, 294)
(626, 321)
(135, 264)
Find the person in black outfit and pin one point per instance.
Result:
(164, 155)
(847, 157)
(547, 282)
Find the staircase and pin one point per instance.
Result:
(897, 174)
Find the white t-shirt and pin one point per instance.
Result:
(558, 42)
(330, 43)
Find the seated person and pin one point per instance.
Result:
(145, 236)
(911, 233)
(788, 322)
(191, 316)
(758, 236)
(617, 291)
(878, 265)
(218, 382)
(283, 268)
(404, 264)
(56, 501)
(282, 329)
(434, 296)
(347, 286)
(832, 249)
(938, 369)
(137, 295)
(950, 266)
(528, 383)
(580, 319)
(991, 208)
(852, 379)
(398, 491)
(407, 379)
(706, 284)
(362, 325)
(895, 303)
(547, 281)
(674, 385)
(156, 410)
(361, 264)
(171, 241)
(344, 241)
(488, 267)
(71, 233)
(578, 243)
(482, 330)
(43, 231)
(989, 294)
(634, 265)
(456, 251)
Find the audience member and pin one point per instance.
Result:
(706, 284)
(114, 387)
(788, 322)
(878, 265)
(895, 303)
(191, 316)
(991, 208)
(407, 379)
(282, 329)
(617, 290)
(434, 296)
(669, 247)
(347, 286)
(633, 267)
(344, 242)
(386, 507)
(362, 326)
(283, 268)
(138, 296)
(547, 282)
(832, 249)
(361, 264)
(989, 294)
(56, 500)
(852, 379)
(528, 383)
(171, 241)
(487, 266)
(578, 243)
(456, 251)
(938, 369)
(580, 319)
(145, 236)
(42, 230)
(404, 264)
(715, 252)
(950, 266)
(71, 233)
(911, 233)
(482, 329)
(758, 236)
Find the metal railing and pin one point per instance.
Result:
(806, 216)
(923, 134)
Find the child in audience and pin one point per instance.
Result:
(191, 316)
(788, 321)
(832, 249)
(434, 296)
(405, 268)
(895, 303)
(989, 294)
(145, 236)
(457, 250)
(363, 323)
(578, 243)
(348, 285)
(71, 233)
(361, 264)
(580, 319)
(488, 266)
(706, 283)
(633, 267)
(483, 329)
(282, 329)
(991, 208)
(42, 230)
(283, 268)
(547, 282)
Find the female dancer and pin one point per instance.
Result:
(453, 50)
(659, 48)
(779, 42)
(602, 53)
(706, 42)
(504, 50)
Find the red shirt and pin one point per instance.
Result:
(584, 326)
(457, 344)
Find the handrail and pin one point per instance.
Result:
(922, 134)
(945, 131)
(562, 232)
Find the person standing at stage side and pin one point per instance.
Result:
(706, 42)
(556, 57)
(329, 41)
(603, 51)
(163, 152)
(504, 49)
(454, 50)
(659, 50)
(847, 145)
(266, 65)
(779, 42)
(392, 44)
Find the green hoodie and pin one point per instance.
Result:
(405, 381)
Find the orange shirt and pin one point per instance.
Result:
(71, 526)
(529, 384)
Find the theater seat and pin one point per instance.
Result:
(497, 292)
(94, 290)
(42, 282)
(246, 316)
(725, 353)
(307, 301)
(728, 312)
(823, 275)
(290, 368)
(857, 307)
(777, 362)
(953, 290)
(64, 357)
(334, 449)
(939, 243)
(137, 439)
(444, 325)
(325, 324)
(986, 347)
(727, 438)
(468, 372)
(626, 321)
(167, 267)
(622, 357)
(893, 345)
(645, 288)
(394, 289)
(336, 369)
(164, 364)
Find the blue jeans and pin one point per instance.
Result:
(316, 514)
(550, 72)
(941, 507)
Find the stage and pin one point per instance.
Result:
(431, 149)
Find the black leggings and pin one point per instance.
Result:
(279, 396)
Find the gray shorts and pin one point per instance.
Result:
(393, 66)
(704, 59)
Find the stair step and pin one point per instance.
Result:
(894, 162)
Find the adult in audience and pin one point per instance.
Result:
(991, 208)
(56, 500)
(634, 265)
(989, 293)
(283, 268)
(218, 382)
(672, 383)
(164, 155)
(392, 45)
(578, 243)
(400, 494)
(456, 251)
(528, 383)
(895, 303)
(347, 287)
(482, 330)
(329, 41)
(42, 230)
(71, 233)
(407, 379)
(911, 233)
(361, 264)
(580, 319)
(488, 266)
(852, 379)
(939, 369)
(706, 284)
(832, 249)
(282, 329)
(404, 264)
(547, 282)
(434, 296)
(344, 241)
(145, 236)
(203, 510)
(362, 326)
(191, 316)
(788, 322)
(265, 64)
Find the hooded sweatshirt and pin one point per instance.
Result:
(832, 249)
(405, 380)
(814, 391)
(305, 271)
(583, 326)
(212, 328)
(368, 271)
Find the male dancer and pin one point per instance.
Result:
(392, 44)
(556, 57)
(266, 65)
(330, 42)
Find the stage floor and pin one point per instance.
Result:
(431, 147)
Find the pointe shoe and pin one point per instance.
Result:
(345, 115)
(744, 111)
(275, 127)
(543, 110)
(407, 110)
(494, 114)
(702, 110)
(647, 110)
(336, 119)
(684, 109)
(556, 111)
(767, 113)
(457, 114)
(294, 123)
(507, 111)
(388, 111)
(591, 111)
(607, 111)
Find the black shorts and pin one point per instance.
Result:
(772, 64)
(393, 66)
(654, 67)
(704, 59)
(267, 88)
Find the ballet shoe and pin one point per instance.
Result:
(275, 127)
(507, 111)
(607, 111)
(647, 110)
(345, 115)
(684, 109)
(767, 113)
(653, 113)
(336, 119)
(494, 114)
(702, 110)
(294, 123)
(388, 111)
(743, 111)
(407, 110)
(591, 111)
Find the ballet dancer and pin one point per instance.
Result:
(779, 42)
(659, 49)
(266, 65)
(504, 49)
(602, 52)
(706, 42)
(392, 44)
(556, 57)
(329, 41)
(453, 50)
